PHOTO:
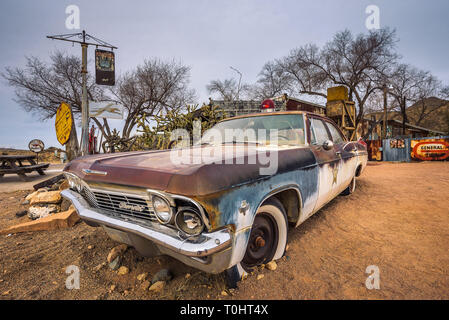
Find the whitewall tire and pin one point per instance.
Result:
(267, 240)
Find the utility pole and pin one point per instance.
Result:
(84, 102)
(240, 80)
(384, 128)
(83, 36)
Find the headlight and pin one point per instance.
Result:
(162, 210)
(189, 221)
(74, 182)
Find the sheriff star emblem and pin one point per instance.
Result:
(335, 172)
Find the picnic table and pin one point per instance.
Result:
(14, 164)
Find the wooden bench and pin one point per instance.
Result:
(13, 164)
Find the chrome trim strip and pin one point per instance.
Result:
(94, 172)
(200, 246)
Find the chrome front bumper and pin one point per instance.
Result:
(209, 252)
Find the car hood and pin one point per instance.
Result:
(226, 166)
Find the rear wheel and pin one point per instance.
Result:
(267, 240)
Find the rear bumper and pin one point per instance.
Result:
(210, 252)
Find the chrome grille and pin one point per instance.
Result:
(89, 196)
(126, 206)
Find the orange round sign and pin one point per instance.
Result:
(63, 123)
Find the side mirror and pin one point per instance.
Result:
(327, 145)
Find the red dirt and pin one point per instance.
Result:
(397, 219)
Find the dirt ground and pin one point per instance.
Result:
(397, 220)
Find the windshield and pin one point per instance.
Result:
(280, 129)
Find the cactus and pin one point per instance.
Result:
(158, 136)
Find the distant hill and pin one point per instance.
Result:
(434, 114)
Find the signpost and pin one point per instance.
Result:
(82, 37)
(36, 146)
(63, 123)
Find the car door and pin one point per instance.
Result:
(328, 161)
(346, 151)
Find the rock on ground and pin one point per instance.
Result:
(116, 251)
(142, 276)
(145, 285)
(57, 221)
(162, 275)
(157, 286)
(272, 265)
(47, 197)
(37, 212)
(21, 213)
(122, 271)
(31, 196)
(115, 264)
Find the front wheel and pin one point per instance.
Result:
(267, 241)
(350, 189)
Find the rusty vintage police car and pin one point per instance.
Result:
(223, 214)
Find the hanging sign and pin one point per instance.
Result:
(104, 67)
(63, 123)
(105, 109)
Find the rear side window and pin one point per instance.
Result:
(336, 136)
(318, 131)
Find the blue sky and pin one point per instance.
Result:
(209, 36)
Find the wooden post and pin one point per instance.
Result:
(72, 146)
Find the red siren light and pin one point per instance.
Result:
(267, 105)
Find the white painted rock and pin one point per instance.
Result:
(37, 212)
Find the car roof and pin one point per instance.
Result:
(262, 114)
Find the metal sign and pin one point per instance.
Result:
(430, 149)
(105, 109)
(397, 144)
(63, 123)
(36, 145)
(104, 67)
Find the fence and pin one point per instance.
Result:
(408, 149)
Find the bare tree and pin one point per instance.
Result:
(40, 87)
(273, 81)
(409, 85)
(228, 89)
(403, 82)
(428, 86)
(355, 62)
(151, 88)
